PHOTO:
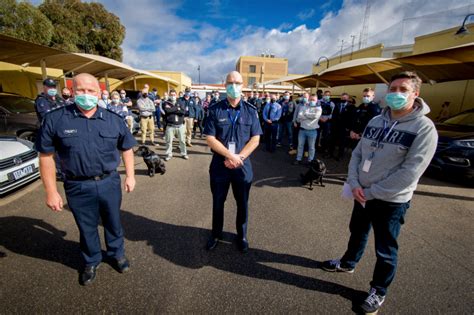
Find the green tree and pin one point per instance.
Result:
(84, 27)
(24, 21)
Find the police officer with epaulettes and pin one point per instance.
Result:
(233, 133)
(48, 99)
(88, 139)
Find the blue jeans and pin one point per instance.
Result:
(311, 136)
(286, 126)
(386, 218)
(158, 116)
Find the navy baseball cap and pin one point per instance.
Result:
(49, 82)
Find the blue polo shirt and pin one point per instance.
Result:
(86, 146)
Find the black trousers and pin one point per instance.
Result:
(241, 190)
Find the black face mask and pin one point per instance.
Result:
(66, 96)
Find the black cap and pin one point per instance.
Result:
(49, 82)
(187, 90)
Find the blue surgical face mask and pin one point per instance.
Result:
(305, 100)
(86, 101)
(233, 90)
(396, 100)
(312, 103)
(366, 100)
(286, 97)
(327, 98)
(52, 92)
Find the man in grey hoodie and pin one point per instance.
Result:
(395, 149)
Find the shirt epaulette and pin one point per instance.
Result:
(55, 109)
(250, 105)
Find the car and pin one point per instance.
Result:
(19, 163)
(455, 151)
(18, 117)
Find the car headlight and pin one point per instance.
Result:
(468, 143)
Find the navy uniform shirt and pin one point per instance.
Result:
(219, 124)
(86, 146)
(45, 104)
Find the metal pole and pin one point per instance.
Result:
(199, 74)
(44, 75)
(352, 46)
(107, 86)
(464, 96)
(340, 55)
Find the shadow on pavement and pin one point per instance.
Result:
(439, 195)
(38, 239)
(184, 246)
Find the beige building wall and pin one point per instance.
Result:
(25, 81)
(183, 79)
(162, 86)
(260, 69)
(459, 93)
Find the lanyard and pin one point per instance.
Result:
(233, 121)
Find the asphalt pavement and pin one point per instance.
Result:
(167, 221)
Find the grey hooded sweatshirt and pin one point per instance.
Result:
(402, 156)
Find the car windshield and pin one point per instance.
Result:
(463, 119)
(17, 104)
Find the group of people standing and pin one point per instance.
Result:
(313, 122)
(393, 148)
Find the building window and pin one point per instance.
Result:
(251, 81)
(252, 69)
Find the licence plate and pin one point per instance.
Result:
(22, 172)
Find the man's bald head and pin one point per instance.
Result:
(234, 77)
(85, 83)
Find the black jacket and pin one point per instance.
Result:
(363, 114)
(174, 113)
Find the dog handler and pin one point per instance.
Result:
(394, 151)
(233, 133)
(88, 139)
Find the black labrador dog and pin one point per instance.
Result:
(316, 172)
(154, 163)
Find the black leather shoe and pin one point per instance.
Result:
(122, 265)
(212, 243)
(87, 276)
(243, 245)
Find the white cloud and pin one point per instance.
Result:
(183, 44)
(304, 15)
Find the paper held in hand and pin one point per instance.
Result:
(347, 193)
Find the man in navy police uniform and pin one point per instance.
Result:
(88, 139)
(48, 99)
(233, 133)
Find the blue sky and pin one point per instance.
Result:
(179, 35)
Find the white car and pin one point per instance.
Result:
(19, 163)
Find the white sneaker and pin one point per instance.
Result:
(185, 157)
(373, 302)
(168, 158)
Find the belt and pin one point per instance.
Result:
(145, 116)
(84, 178)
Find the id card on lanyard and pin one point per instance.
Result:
(232, 145)
(383, 137)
